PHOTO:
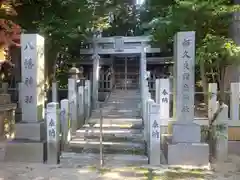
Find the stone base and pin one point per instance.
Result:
(186, 132)
(2, 151)
(188, 154)
(234, 147)
(18, 115)
(30, 131)
(25, 151)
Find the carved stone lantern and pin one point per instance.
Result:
(77, 74)
(74, 72)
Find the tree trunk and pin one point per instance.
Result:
(211, 138)
(50, 63)
(204, 83)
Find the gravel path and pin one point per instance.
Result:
(229, 170)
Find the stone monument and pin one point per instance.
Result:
(30, 137)
(154, 118)
(53, 139)
(186, 135)
(162, 97)
(72, 97)
(7, 119)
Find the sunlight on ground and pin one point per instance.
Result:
(131, 173)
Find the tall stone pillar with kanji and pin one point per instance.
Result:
(186, 134)
(29, 139)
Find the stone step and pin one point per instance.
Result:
(109, 134)
(121, 123)
(123, 97)
(114, 125)
(117, 110)
(91, 159)
(81, 145)
(116, 115)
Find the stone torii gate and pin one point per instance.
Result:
(118, 46)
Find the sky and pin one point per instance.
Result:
(139, 1)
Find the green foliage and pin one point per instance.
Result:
(211, 19)
(125, 19)
(202, 16)
(218, 52)
(64, 24)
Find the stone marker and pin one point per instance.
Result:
(157, 92)
(33, 77)
(147, 122)
(184, 76)
(88, 98)
(186, 134)
(235, 89)
(155, 151)
(65, 122)
(29, 142)
(164, 100)
(72, 97)
(143, 82)
(162, 96)
(81, 104)
(212, 101)
(149, 104)
(52, 120)
(54, 92)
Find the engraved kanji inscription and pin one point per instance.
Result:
(51, 123)
(28, 63)
(155, 124)
(185, 108)
(185, 87)
(186, 65)
(29, 45)
(185, 55)
(28, 99)
(164, 92)
(185, 96)
(186, 42)
(186, 76)
(52, 133)
(28, 81)
(155, 134)
(165, 100)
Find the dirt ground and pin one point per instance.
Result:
(228, 170)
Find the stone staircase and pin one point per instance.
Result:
(122, 130)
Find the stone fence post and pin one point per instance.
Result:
(147, 123)
(54, 92)
(87, 98)
(212, 102)
(81, 103)
(72, 97)
(163, 98)
(155, 149)
(234, 101)
(65, 122)
(53, 140)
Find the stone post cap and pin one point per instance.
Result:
(150, 101)
(64, 100)
(52, 106)
(74, 70)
